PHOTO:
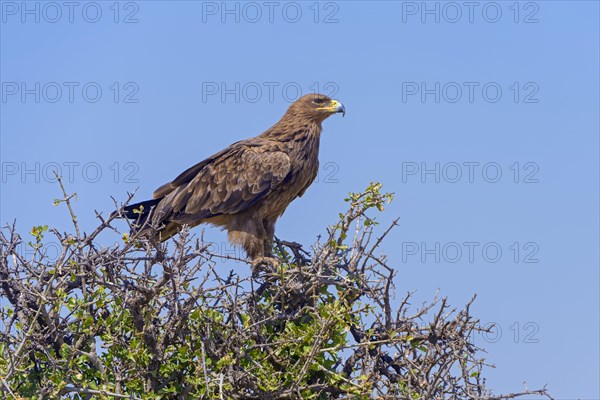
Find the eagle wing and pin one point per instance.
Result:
(225, 183)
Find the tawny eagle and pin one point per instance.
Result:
(247, 186)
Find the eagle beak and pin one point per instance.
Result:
(338, 107)
(334, 107)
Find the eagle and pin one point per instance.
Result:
(246, 187)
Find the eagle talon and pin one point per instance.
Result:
(270, 262)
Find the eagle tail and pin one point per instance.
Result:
(140, 211)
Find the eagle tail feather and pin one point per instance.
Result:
(141, 210)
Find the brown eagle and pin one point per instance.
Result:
(247, 186)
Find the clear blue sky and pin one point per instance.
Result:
(481, 117)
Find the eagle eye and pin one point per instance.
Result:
(319, 101)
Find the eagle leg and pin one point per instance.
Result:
(268, 250)
(250, 242)
(269, 226)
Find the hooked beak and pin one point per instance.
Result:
(339, 107)
(335, 107)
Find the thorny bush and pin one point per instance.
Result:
(141, 320)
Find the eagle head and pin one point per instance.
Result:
(316, 106)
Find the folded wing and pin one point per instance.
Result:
(226, 183)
